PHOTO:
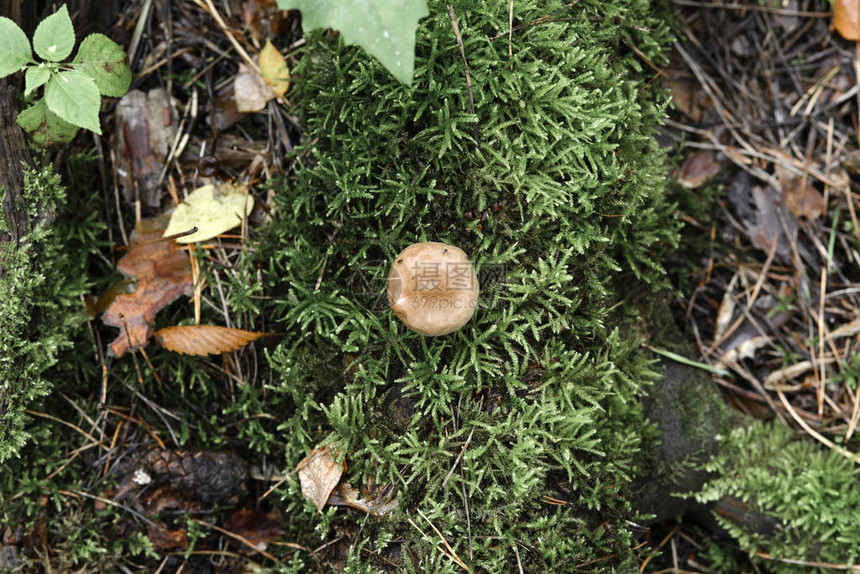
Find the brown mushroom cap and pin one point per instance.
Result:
(432, 288)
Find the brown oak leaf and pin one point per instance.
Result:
(163, 274)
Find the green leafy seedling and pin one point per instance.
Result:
(385, 28)
(73, 90)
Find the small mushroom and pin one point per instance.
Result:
(432, 288)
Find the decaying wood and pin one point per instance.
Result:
(14, 156)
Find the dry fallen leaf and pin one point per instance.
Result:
(145, 130)
(255, 526)
(773, 224)
(164, 538)
(274, 68)
(846, 19)
(251, 90)
(698, 169)
(802, 199)
(212, 210)
(204, 339)
(376, 500)
(319, 473)
(163, 274)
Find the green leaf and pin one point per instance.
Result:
(106, 63)
(45, 127)
(14, 48)
(54, 37)
(385, 28)
(34, 77)
(73, 96)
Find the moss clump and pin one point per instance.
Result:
(793, 499)
(555, 188)
(40, 289)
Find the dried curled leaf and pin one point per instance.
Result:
(163, 274)
(204, 339)
(378, 500)
(319, 473)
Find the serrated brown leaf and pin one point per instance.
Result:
(204, 339)
(163, 274)
(319, 473)
(846, 19)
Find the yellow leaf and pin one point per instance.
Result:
(274, 68)
(212, 210)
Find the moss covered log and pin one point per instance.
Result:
(39, 287)
(555, 187)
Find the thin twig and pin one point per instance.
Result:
(511, 33)
(466, 64)
(814, 433)
(459, 458)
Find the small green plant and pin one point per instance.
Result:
(72, 90)
(385, 28)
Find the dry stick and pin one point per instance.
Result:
(195, 280)
(81, 431)
(855, 417)
(111, 503)
(245, 541)
(822, 363)
(468, 516)
(113, 442)
(466, 64)
(723, 336)
(814, 433)
(542, 20)
(511, 33)
(152, 432)
(459, 457)
(662, 543)
(210, 8)
(736, 367)
(142, 20)
(450, 551)
(825, 565)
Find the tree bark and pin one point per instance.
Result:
(14, 157)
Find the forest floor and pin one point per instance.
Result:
(765, 118)
(764, 130)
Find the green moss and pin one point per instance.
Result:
(799, 501)
(545, 383)
(40, 293)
